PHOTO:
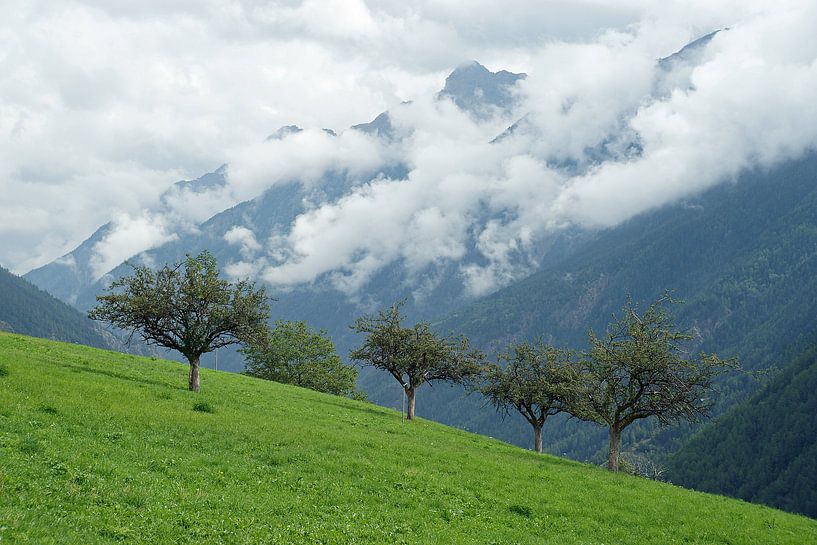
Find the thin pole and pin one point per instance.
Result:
(403, 408)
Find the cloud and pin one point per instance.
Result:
(104, 105)
(244, 238)
(128, 236)
(303, 157)
(596, 147)
(422, 219)
(749, 106)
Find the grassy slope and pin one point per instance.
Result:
(100, 447)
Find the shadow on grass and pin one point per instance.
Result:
(374, 409)
(121, 376)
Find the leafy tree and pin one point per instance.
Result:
(185, 307)
(293, 353)
(534, 379)
(640, 369)
(414, 355)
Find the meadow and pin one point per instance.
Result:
(103, 447)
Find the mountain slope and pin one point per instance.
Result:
(98, 447)
(28, 310)
(69, 277)
(765, 450)
(742, 255)
(724, 251)
(477, 90)
(430, 292)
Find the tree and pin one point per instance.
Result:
(413, 355)
(185, 307)
(534, 379)
(293, 353)
(640, 369)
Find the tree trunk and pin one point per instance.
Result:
(410, 393)
(193, 383)
(615, 447)
(537, 439)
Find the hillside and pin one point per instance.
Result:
(472, 87)
(28, 310)
(742, 255)
(765, 450)
(99, 447)
(329, 300)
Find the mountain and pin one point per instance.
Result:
(738, 254)
(103, 447)
(675, 70)
(69, 276)
(743, 257)
(28, 310)
(764, 450)
(475, 89)
(74, 277)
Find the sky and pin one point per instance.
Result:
(105, 104)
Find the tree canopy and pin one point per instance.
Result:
(185, 307)
(413, 355)
(640, 368)
(294, 353)
(534, 379)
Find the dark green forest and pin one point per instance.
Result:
(743, 257)
(28, 310)
(764, 451)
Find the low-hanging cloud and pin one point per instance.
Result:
(128, 236)
(597, 137)
(746, 103)
(748, 106)
(103, 105)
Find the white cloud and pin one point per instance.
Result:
(244, 238)
(302, 157)
(103, 105)
(128, 236)
(747, 104)
(750, 106)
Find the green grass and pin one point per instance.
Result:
(203, 407)
(100, 447)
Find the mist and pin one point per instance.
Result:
(601, 130)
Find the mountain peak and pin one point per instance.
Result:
(284, 131)
(674, 71)
(473, 67)
(379, 126)
(689, 53)
(476, 89)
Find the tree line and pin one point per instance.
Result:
(640, 367)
